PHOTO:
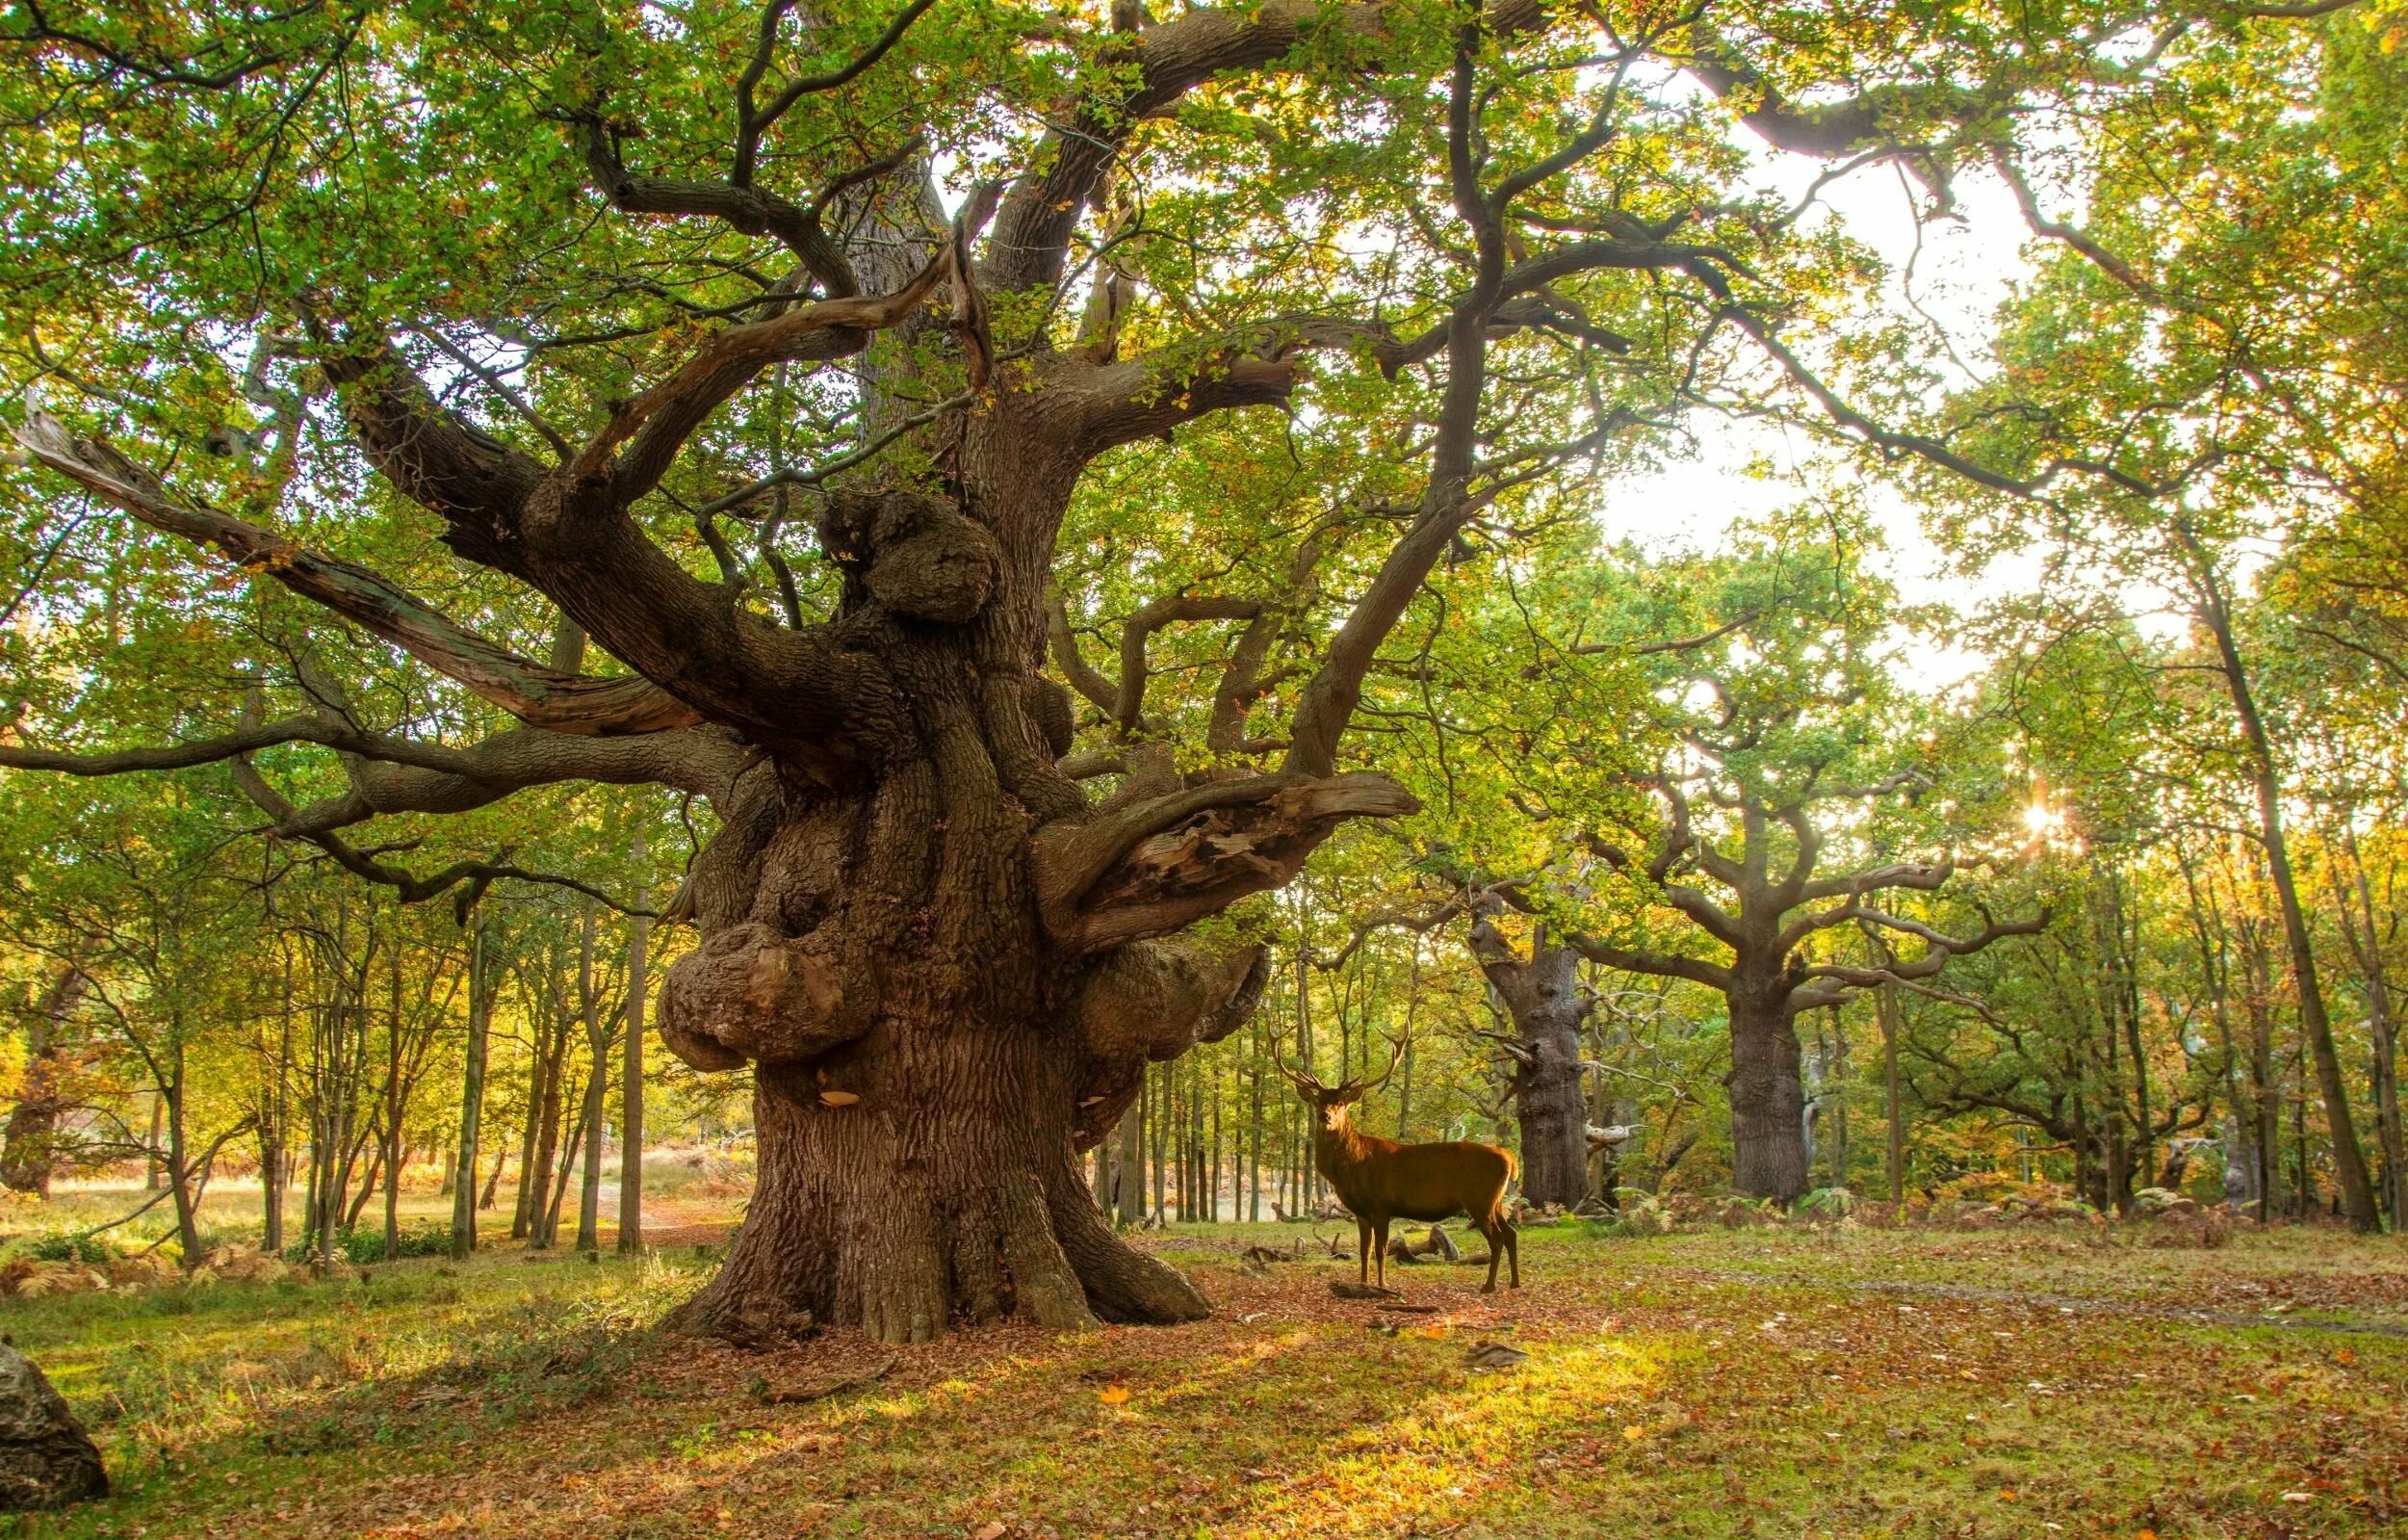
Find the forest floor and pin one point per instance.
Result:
(1793, 1382)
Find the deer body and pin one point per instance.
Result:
(1380, 1179)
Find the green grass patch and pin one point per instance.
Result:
(1832, 1382)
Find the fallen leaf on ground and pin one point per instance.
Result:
(1495, 1355)
(1357, 1291)
(821, 1388)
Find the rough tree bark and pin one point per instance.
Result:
(1767, 1083)
(28, 1155)
(1542, 995)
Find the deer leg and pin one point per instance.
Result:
(1495, 1231)
(1380, 1241)
(1363, 1251)
(1512, 1250)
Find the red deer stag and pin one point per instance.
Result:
(1380, 1179)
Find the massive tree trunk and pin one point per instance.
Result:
(1541, 993)
(1767, 1091)
(924, 1051)
(942, 961)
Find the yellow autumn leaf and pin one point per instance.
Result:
(1112, 1395)
(1634, 1432)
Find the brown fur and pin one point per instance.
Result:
(1380, 1179)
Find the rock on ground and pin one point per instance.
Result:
(46, 1460)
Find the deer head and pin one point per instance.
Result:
(1331, 1101)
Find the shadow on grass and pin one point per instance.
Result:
(258, 1381)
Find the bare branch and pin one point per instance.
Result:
(1033, 231)
(752, 123)
(1662, 965)
(657, 424)
(1128, 705)
(1678, 645)
(1083, 676)
(540, 697)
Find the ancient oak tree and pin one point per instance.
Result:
(770, 350)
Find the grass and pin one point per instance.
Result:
(1794, 1382)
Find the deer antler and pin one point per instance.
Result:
(1364, 1088)
(1299, 1079)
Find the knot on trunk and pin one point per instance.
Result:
(1152, 1001)
(915, 554)
(1161, 998)
(1050, 706)
(751, 993)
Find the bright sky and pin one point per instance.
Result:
(1962, 273)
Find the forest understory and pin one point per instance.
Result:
(1830, 1380)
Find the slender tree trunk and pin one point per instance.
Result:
(631, 1080)
(179, 1174)
(270, 1187)
(393, 1111)
(1839, 1106)
(151, 1169)
(2119, 940)
(1212, 1206)
(1129, 1167)
(2267, 1092)
(1886, 1006)
(2215, 974)
(2349, 1165)
(1254, 1140)
(574, 1134)
(597, 1090)
(493, 1180)
(330, 1080)
(2304, 1187)
(28, 1154)
(368, 1188)
(1157, 1133)
(275, 1121)
(2118, 1156)
(530, 1136)
(555, 1112)
(472, 1103)
(2381, 1028)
